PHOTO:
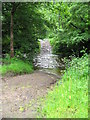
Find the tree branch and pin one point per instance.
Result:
(82, 30)
(14, 7)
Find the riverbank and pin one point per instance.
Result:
(15, 66)
(36, 95)
(69, 98)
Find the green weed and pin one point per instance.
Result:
(15, 66)
(21, 109)
(69, 99)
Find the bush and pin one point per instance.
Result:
(15, 66)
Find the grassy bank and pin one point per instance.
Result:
(70, 98)
(15, 66)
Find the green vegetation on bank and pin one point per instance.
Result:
(15, 66)
(70, 98)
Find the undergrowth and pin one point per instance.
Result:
(70, 98)
(15, 66)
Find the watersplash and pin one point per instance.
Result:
(46, 59)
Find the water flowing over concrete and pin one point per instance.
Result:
(46, 59)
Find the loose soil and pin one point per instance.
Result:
(21, 94)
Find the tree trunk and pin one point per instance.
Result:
(14, 7)
(11, 43)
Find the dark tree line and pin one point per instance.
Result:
(22, 25)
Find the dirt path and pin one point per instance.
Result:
(21, 94)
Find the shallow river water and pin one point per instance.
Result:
(47, 61)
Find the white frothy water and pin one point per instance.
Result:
(46, 59)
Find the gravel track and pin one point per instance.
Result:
(21, 94)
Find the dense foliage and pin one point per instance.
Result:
(65, 24)
(70, 98)
(27, 27)
(70, 28)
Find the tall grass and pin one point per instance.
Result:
(15, 66)
(69, 99)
